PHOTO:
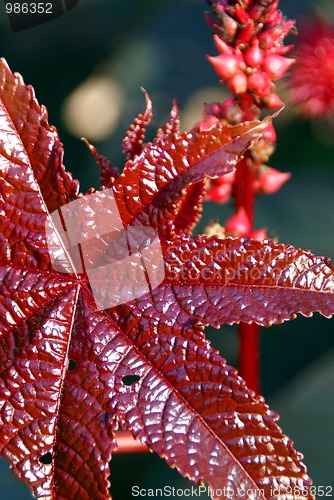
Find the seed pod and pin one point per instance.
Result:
(238, 83)
(259, 83)
(276, 66)
(254, 56)
(225, 65)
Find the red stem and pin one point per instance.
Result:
(249, 334)
(127, 444)
(249, 355)
(244, 191)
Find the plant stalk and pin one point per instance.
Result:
(249, 355)
(127, 444)
(249, 334)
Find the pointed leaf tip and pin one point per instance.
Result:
(108, 172)
(148, 99)
(135, 135)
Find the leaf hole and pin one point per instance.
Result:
(130, 379)
(46, 459)
(71, 365)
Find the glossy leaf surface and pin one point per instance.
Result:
(70, 374)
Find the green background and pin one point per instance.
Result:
(161, 46)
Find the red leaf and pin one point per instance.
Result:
(70, 373)
(239, 279)
(108, 172)
(193, 409)
(190, 208)
(134, 137)
(151, 186)
(35, 139)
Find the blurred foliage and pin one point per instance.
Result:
(161, 46)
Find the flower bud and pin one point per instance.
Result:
(229, 24)
(269, 133)
(222, 46)
(269, 37)
(227, 178)
(225, 65)
(245, 35)
(211, 22)
(283, 49)
(271, 180)
(248, 107)
(274, 17)
(259, 234)
(238, 83)
(254, 55)
(276, 66)
(259, 83)
(213, 109)
(207, 122)
(230, 110)
(241, 14)
(219, 194)
(272, 101)
(257, 12)
(239, 224)
(221, 188)
(287, 26)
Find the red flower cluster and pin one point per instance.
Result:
(249, 37)
(268, 180)
(312, 78)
